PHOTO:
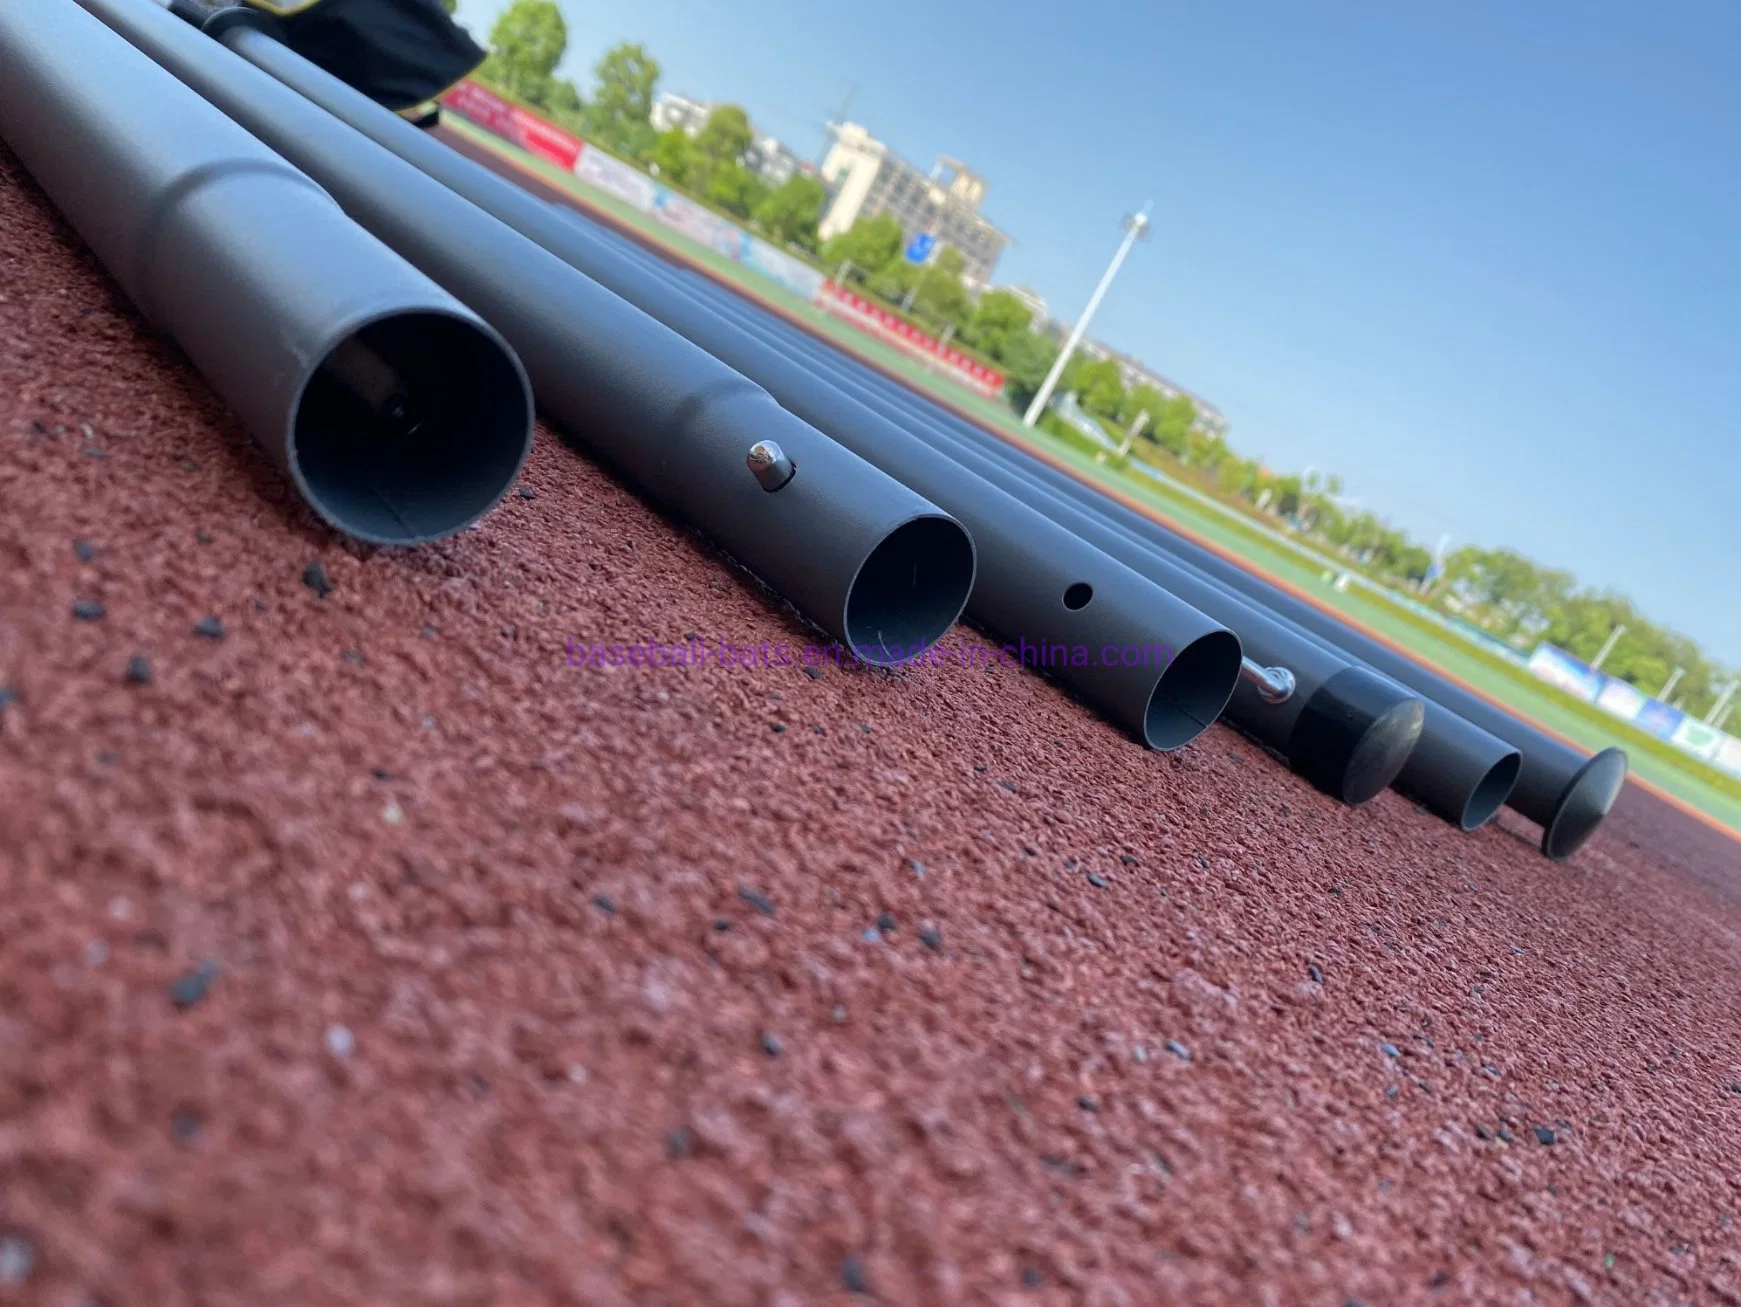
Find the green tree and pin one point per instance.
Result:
(526, 44)
(565, 106)
(998, 316)
(896, 278)
(940, 297)
(450, 6)
(1025, 359)
(625, 80)
(871, 244)
(724, 138)
(673, 157)
(789, 213)
(1100, 385)
(734, 188)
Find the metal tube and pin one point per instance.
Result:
(1346, 730)
(1060, 604)
(1458, 771)
(1464, 762)
(875, 565)
(265, 284)
(1556, 785)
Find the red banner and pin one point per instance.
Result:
(897, 331)
(504, 118)
(509, 121)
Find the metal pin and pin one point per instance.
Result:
(1273, 684)
(369, 377)
(768, 463)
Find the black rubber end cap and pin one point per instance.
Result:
(1355, 734)
(1584, 803)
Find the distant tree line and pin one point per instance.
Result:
(1499, 590)
(526, 46)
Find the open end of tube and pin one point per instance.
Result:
(1490, 795)
(411, 428)
(1587, 798)
(1192, 691)
(910, 591)
(1354, 735)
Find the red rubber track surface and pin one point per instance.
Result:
(524, 983)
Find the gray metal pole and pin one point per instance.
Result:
(1059, 604)
(1340, 726)
(1668, 687)
(1607, 647)
(396, 412)
(874, 564)
(1721, 707)
(1457, 770)
(1559, 786)
(1134, 229)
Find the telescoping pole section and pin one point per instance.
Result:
(1564, 790)
(1460, 772)
(1036, 583)
(399, 416)
(875, 565)
(1345, 729)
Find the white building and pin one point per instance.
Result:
(767, 157)
(1029, 298)
(671, 110)
(866, 178)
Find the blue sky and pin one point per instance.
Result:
(1483, 259)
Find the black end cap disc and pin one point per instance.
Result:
(1355, 734)
(1584, 803)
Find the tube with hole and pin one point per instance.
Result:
(265, 284)
(1473, 757)
(1458, 771)
(1152, 664)
(877, 566)
(1342, 728)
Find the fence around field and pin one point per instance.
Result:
(594, 167)
(604, 172)
(1621, 700)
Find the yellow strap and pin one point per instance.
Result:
(284, 8)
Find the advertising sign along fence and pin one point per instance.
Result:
(1566, 672)
(513, 123)
(520, 126)
(879, 322)
(1626, 702)
(614, 177)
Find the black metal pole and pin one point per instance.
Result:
(875, 565)
(396, 412)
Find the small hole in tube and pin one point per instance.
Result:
(1078, 595)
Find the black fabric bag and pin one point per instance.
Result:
(399, 53)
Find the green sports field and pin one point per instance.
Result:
(1652, 760)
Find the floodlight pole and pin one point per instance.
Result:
(1135, 228)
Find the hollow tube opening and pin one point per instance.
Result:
(1192, 691)
(1492, 792)
(1584, 803)
(411, 428)
(910, 591)
(1077, 595)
